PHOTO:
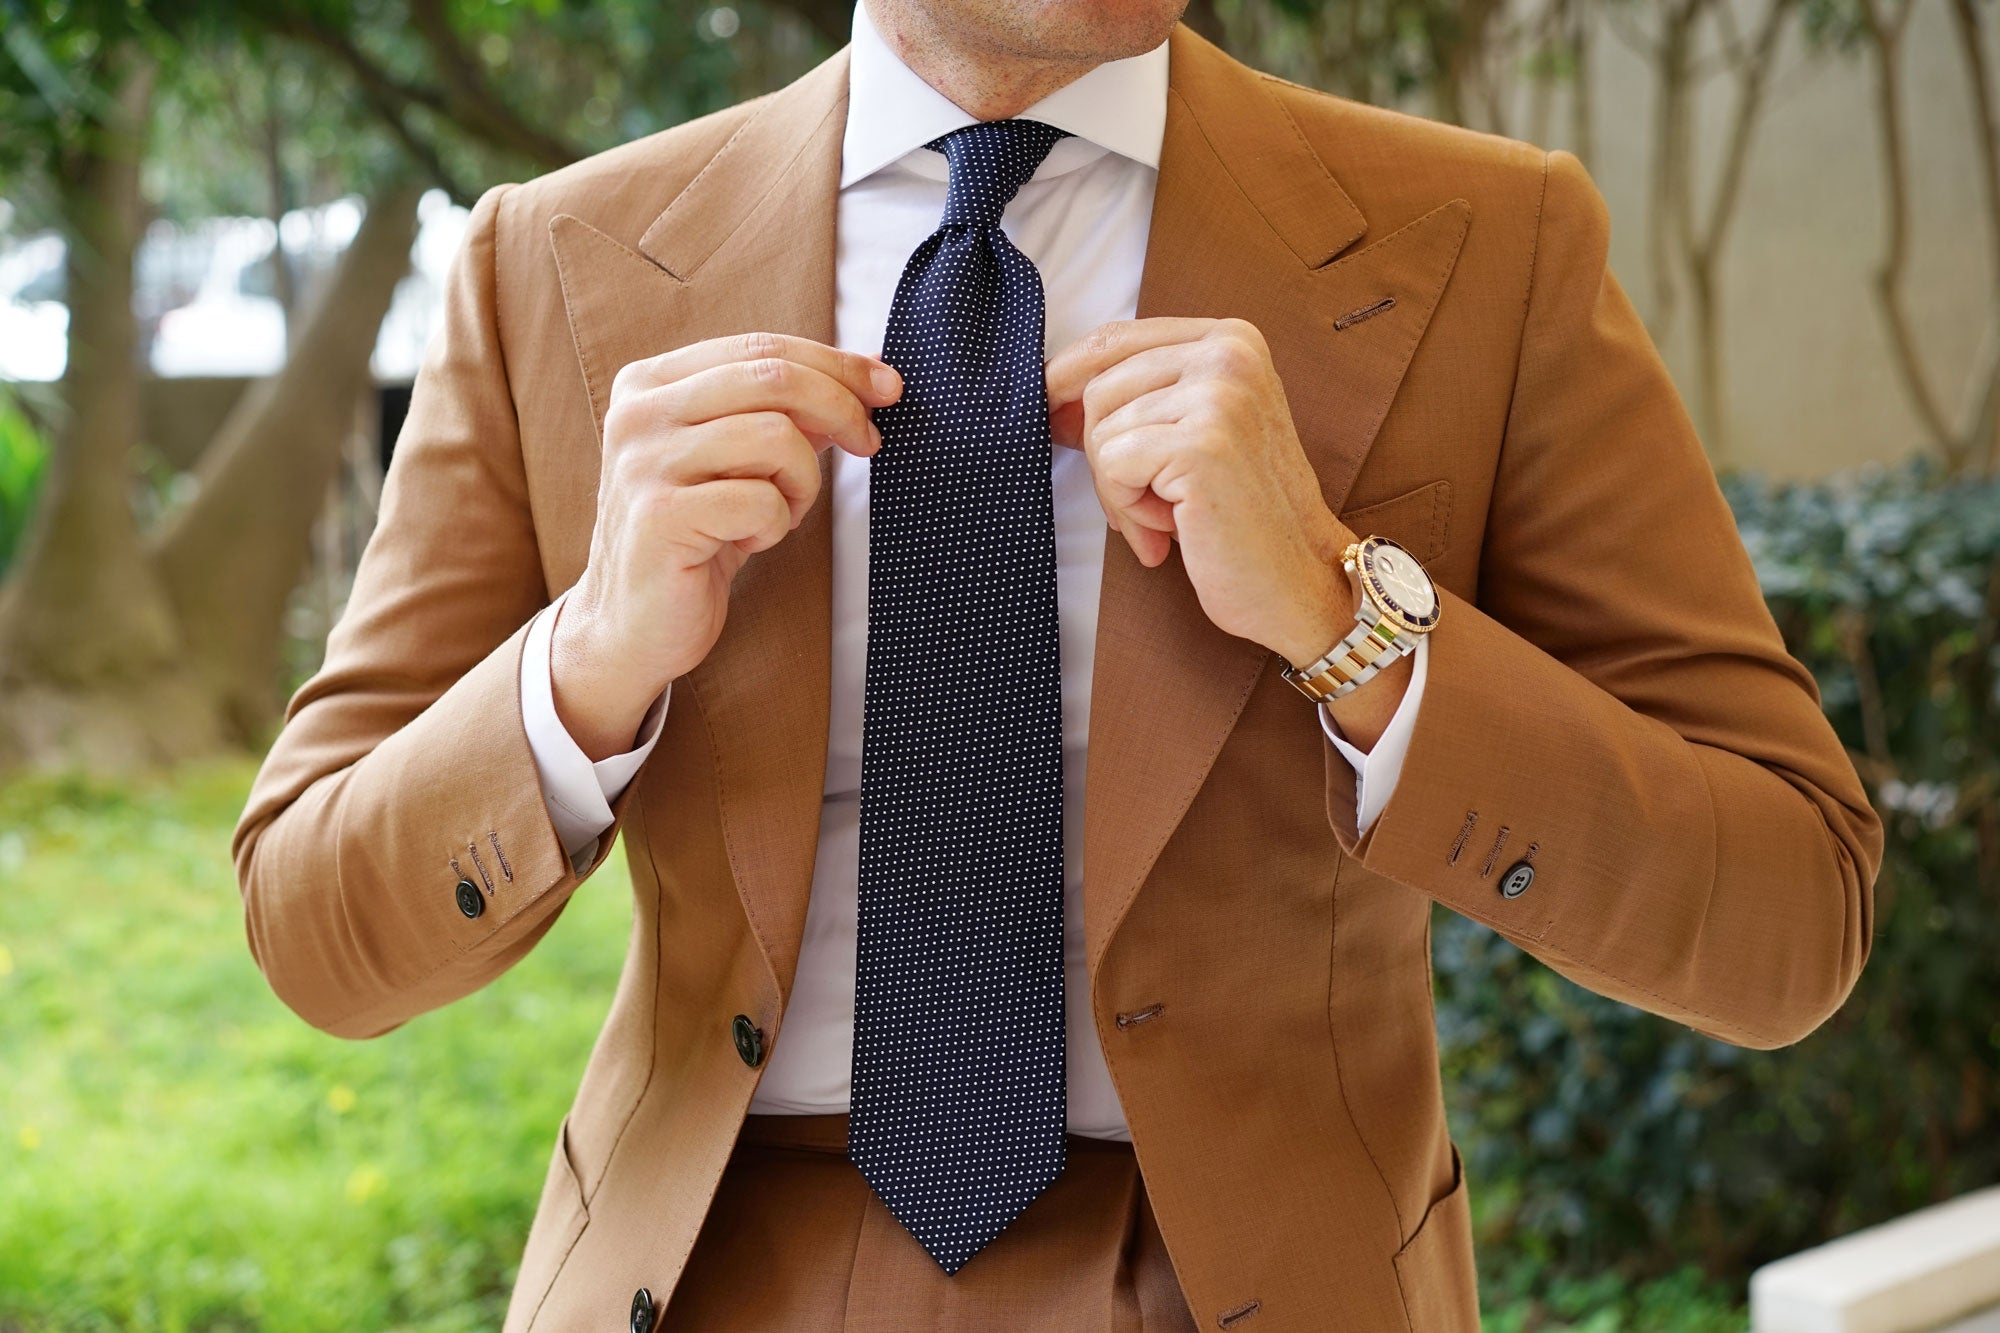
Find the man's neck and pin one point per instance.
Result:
(987, 81)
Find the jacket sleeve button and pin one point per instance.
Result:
(1517, 879)
(642, 1311)
(749, 1040)
(470, 900)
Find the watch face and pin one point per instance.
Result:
(1399, 583)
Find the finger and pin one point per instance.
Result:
(1125, 468)
(1132, 469)
(1137, 375)
(1106, 345)
(1066, 425)
(868, 378)
(1160, 407)
(748, 513)
(818, 403)
(1151, 547)
(753, 444)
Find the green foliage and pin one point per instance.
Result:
(1839, 25)
(1601, 1139)
(1682, 1302)
(57, 58)
(1389, 49)
(254, 126)
(476, 91)
(180, 1152)
(23, 459)
(287, 102)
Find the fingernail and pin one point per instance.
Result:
(885, 379)
(875, 433)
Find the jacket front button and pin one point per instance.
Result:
(749, 1040)
(469, 900)
(1517, 879)
(642, 1311)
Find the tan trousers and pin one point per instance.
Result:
(796, 1240)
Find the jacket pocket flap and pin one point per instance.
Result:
(1418, 520)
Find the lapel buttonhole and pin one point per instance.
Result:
(1353, 317)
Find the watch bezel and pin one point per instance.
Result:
(1363, 554)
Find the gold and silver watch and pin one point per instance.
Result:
(1399, 606)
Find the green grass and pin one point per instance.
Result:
(179, 1152)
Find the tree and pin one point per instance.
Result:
(1696, 40)
(100, 653)
(1877, 27)
(123, 642)
(1456, 54)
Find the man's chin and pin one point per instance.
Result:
(1089, 31)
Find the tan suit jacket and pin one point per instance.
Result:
(1608, 700)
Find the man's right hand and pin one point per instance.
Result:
(710, 455)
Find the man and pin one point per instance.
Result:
(733, 442)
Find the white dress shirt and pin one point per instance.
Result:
(1083, 218)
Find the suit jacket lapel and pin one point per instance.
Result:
(748, 245)
(1247, 222)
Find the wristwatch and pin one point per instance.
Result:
(1399, 605)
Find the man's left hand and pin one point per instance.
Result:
(1190, 440)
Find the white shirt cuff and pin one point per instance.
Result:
(577, 791)
(1376, 771)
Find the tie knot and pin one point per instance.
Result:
(990, 162)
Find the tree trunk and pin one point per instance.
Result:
(231, 558)
(114, 655)
(1702, 245)
(1884, 30)
(1583, 102)
(89, 652)
(1671, 155)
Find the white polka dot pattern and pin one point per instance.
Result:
(958, 1102)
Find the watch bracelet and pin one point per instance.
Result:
(1337, 665)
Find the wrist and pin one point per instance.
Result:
(1326, 615)
(600, 706)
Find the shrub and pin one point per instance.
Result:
(23, 458)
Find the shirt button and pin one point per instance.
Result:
(1517, 879)
(470, 901)
(642, 1311)
(749, 1040)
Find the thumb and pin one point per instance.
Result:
(1066, 424)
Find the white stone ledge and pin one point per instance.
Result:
(1912, 1274)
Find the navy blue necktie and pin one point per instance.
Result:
(958, 1102)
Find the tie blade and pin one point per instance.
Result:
(952, 1205)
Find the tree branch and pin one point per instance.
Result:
(392, 98)
(473, 103)
(1983, 428)
(1885, 34)
(421, 151)
(1756, 81)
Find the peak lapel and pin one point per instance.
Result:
(1248, 222)
(748, 245)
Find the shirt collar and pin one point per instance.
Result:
(1120, 105)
